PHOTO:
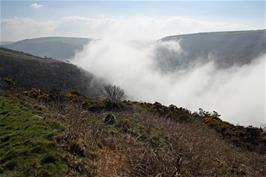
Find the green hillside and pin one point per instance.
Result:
(26, 145)
(29, 71)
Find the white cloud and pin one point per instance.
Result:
(21, 28)
(145, 27)
(132, 27)
(36, 5)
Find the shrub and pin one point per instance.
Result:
(37, 94)
(72, 95)
(113, 92)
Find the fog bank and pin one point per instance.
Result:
(237, 93)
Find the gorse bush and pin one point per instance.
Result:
(34, 93)
(172, 112)
(38, 94)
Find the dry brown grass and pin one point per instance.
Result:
(110, 163)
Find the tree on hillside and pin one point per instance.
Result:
(113, 92)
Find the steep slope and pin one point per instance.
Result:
(223, 48)
(61, 48)
(29, 71)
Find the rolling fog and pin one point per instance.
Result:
(236, 92)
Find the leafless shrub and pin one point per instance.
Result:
(113, 92)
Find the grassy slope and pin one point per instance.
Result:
(139, 143)
(26, 145)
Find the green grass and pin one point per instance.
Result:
(26, 144)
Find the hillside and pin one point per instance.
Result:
(61, 48)
(225, 49)
(30, 71)
(26, 147)
(82, 136)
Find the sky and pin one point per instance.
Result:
(97, 19)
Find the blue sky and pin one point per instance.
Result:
(253, 11)
(249, 14)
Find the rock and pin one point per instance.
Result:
(109, 119)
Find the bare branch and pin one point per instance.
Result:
(113, 92)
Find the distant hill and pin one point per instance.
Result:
(30, 71)
(224, 48)
(61, 48)
(5, 42)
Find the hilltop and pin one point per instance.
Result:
(61, 48)
(225, 49)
